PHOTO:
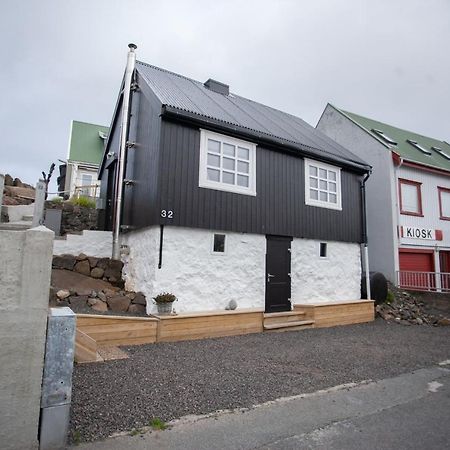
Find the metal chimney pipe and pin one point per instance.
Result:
(131, 62)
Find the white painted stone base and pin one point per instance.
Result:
(205, 281)
(90, 242)
(200, 279)
(334, 278)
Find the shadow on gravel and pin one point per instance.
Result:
(170, 380)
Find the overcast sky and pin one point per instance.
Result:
(64, 60)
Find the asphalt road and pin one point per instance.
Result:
(410, 411)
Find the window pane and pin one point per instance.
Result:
(410, 199)
(323, 249)
(219, 243)
(228, 149)
(86, 180)
(313, 182)
(242, 180)
(243, 153)
(228, 163)
(323, 185)
(213, 160)
(313, 171)
(332, 187)
(228, 177)
(332, 175)
(323, 196)
(332, 198)
(323, 173)
(445, 203)
(213, 175)
(314, 194)
(242, 167)
(213, 146)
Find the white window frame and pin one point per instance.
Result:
(321, 203)
(220, 186)
(224, 244)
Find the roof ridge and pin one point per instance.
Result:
(392, 126)
(168, 71)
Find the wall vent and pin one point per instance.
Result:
(217, 86)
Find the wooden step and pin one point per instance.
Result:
(85, 348)
(289, 325)
(284, 317)
(283, 314)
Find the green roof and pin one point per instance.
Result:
(86, 144)
(402, 146)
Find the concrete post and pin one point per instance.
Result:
(437, 270)
(2, 186)
(39, 203)
(25, 270)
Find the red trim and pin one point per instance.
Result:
(439, 235)
(426, 168)
(419, 196)
(442, 189)
(414, 250)
(396, 158)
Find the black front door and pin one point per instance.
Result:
(278, 276)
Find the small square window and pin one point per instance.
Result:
(323, 250)
(219, 243)
(410, 197)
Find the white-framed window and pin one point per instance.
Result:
(322, 185)
(227, 164)
(218, 244)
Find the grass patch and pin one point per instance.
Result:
(158, 424)
(390, 297)
(86, 202)
(135, 432)
(76, 437)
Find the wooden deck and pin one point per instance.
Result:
(96, 331)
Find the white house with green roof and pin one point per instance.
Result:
(86, 147)
(408, 198)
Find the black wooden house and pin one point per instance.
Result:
(208, 171)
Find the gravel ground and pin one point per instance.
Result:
(170, 380)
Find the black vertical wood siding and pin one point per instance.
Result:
(278, 208)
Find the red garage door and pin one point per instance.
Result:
(416, 270)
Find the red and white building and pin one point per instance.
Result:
(408, 198)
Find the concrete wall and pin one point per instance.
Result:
(25, 270)
(205, 281)
(92, 243)
(16, 212)
(381, 199)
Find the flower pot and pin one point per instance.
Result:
(164, 308)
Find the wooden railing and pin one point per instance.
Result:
(424, 281)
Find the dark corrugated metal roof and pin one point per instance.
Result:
(192, 96)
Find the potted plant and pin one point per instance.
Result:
(164, 302)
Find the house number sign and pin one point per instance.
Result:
(167, 214)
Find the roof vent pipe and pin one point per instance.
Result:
(131, 62)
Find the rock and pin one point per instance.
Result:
(113, 279)
(78, 301)
(92, 301)
(83, 267)
(118, 303)
(101, 295)
(110, 292)
(419, 321)
(114, 269)
(62, 294)
(17, 182)
(99, 306)
(81, 257)
(131, 295)
(444, 322)
(232, 305)
(103, 263)
(64, 262)
(139, 299)
(135, 308)
(93, 294)
(83, 291)
(9, 180)
(97, 272)
(405, 322)
(93, 261)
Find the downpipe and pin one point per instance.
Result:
(365, 255)
(131, 62)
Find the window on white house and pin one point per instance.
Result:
(444, 203)
(322, 185)
(227, 164)
(323, 250)
(86, 180)
(219, 243)
(410, 197)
